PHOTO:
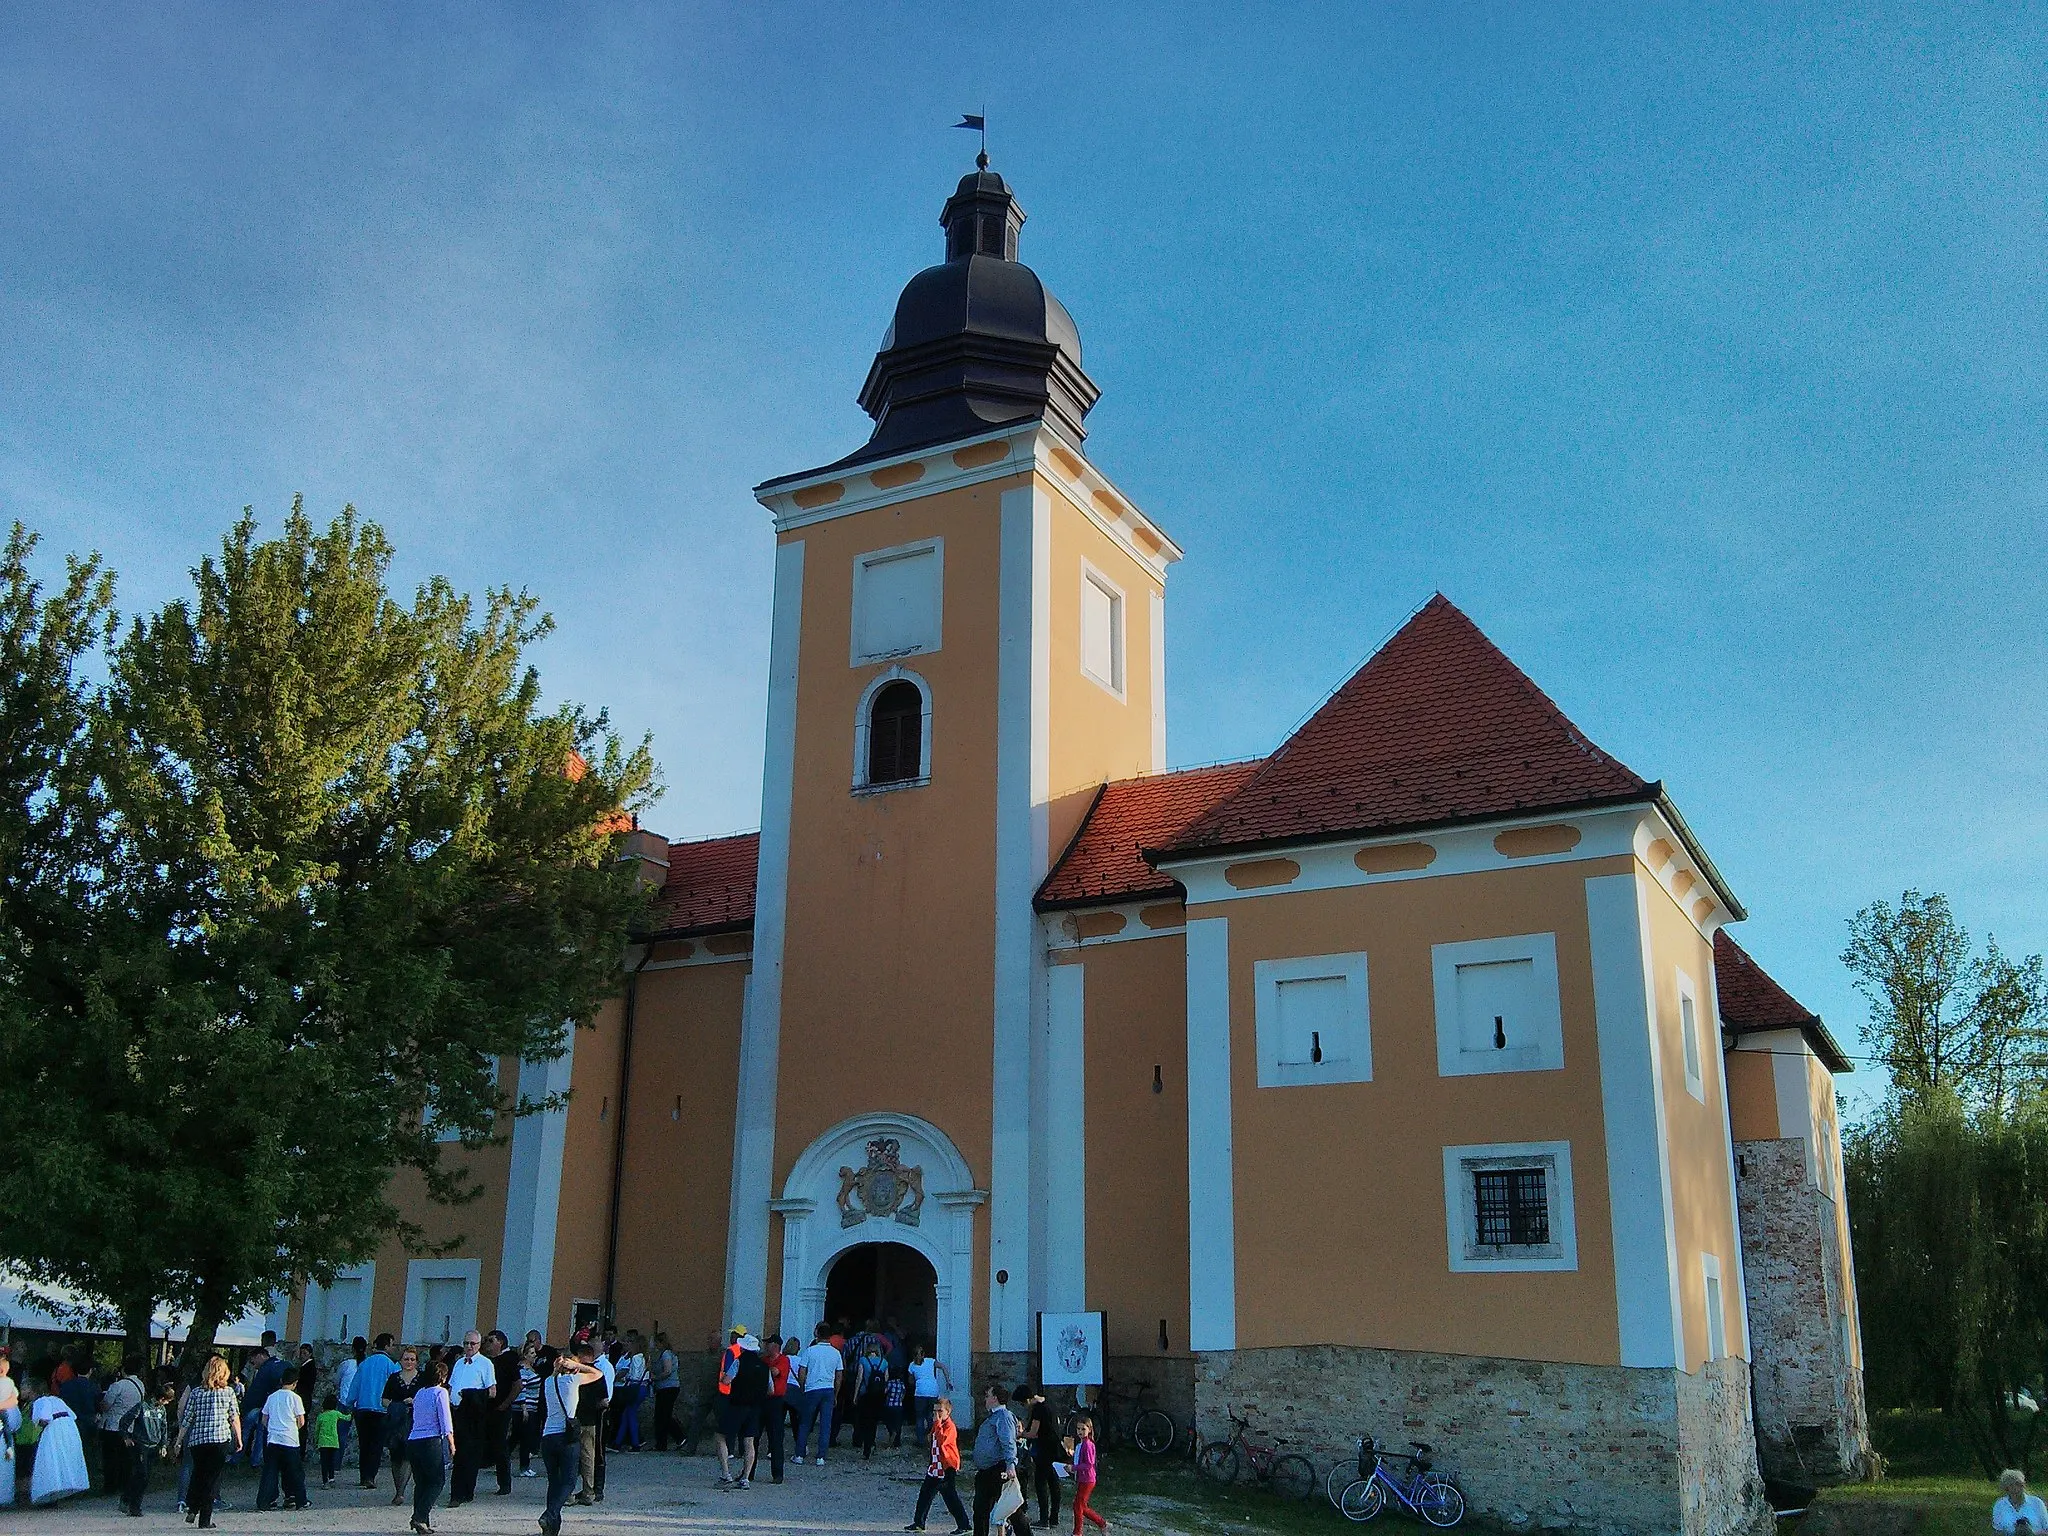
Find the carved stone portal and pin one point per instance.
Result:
(883, 1188)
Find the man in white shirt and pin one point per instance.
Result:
(284, 1418)
(817, 1376)
(345, 1388)
(470, 1385)
(119, 1400)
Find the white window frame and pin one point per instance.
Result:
(1357, 1063)
(1461, 1214)
(315, 1324)
(1691, 1052)
(1538, 948)
(1714, 1302)
(1119, 630)
(861, 562)
(418, 1272)
(861, 711)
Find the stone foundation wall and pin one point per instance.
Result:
(1601, 1450)
(1171, 1378)
(1810, 1420)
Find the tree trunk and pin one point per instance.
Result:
(206, 1318)
(136, 1313)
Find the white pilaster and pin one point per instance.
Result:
(753, 1151)
(1066, 1240)
(1023, 686)
(1158, 607)
(1212, 1219)
(526, 1273)
(1632, 1101)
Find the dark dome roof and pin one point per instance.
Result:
(977, 341)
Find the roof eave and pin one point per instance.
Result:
(1172, 889)
(694, 931)
(1670, 812)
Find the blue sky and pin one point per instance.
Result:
(1699, 356)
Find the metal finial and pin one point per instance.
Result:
(981, 161)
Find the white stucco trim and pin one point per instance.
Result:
(866, 560)
(1348, 1057)
(1117, 685)
(1212, 1222)
(814, 1233)
(1023, 687)
(753, 1155)
(1540, 950)
(1632, 1103)
(1062, 930)
(1066, 1217)
(315, 1324)
(1461, 1216)
(1156, 606)
(1718, 1066)
(1792, 1081)
(861, 721)
(533, 1197)
(418, 1272)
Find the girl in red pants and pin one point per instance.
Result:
(1084, 1475)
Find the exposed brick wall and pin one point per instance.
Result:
(1602, 1450)
(1810, 1419)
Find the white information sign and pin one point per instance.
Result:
(1070, 1349)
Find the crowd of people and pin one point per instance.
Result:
(444, 1415)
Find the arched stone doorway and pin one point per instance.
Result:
(891, 1181)
(886, 1281)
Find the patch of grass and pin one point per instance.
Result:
(1922, 1506)
(1144, 1493)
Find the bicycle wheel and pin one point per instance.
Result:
(1292, 1478)
(1153, 1432)
(1362, 1499)
(1218, 1461)
(1440, 1504)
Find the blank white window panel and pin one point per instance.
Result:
(1717, 1324)
(1689, 1037)
(347, 1308)
(1313, 1021)
(1497, 1006)
(444, 1309)
(1102, 630)
(897, 601)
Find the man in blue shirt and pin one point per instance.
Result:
(367, 1390)
(995, 1460)
(268, 1378)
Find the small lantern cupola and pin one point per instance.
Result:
(982, 218)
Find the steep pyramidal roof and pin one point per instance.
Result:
(1106, 862)
(1438, 727)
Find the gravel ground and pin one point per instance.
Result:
(643, 1492)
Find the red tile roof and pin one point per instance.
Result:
(710, 885)
(1104, 862)
(1751, 1002)
(1438, 727)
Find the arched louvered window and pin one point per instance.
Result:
(896, 734)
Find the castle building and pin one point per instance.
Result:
(1405, 1080)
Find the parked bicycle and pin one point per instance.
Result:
(1346, 1470)
(1421, 1490)
(1289, 1475)
(1124, 1417)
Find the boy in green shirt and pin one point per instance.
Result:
(327, 1435)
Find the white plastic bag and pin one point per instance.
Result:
(1008, 1502)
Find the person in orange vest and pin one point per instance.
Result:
(727, 1440)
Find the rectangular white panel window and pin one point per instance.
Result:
(1497, 1006)
(1717, 1324)
(1102, 630)
(347, 1308)
(1314, 1021)
(440, 1299)
(897, 601)
(1508, 1207)
(1689, 1037)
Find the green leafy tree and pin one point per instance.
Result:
(349, 864)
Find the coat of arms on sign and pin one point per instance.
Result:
(1073, 1348)
(883, 1188)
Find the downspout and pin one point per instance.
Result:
(611, 1245)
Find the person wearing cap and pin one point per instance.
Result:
(724, 1437)
(740, 1424)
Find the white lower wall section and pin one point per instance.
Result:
(338, 1312)
(1632, 1102)
(440, 1299)
(533, 1198)
(1023, 685)
(1066, 1219)
(753, 1136)
(1212, 1222)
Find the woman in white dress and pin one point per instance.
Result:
(60, 1454)
(10, 1422)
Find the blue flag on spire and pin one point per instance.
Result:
(967, 120)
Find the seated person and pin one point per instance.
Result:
(2017, 1510)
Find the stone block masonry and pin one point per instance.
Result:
(1537, 1446)
(1810, 1420)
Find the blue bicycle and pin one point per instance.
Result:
(1425, 1494)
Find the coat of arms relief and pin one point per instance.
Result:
(883, 1188)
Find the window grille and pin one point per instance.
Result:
(896, 735)
(1514, 1207)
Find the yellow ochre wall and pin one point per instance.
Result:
(679, 1137)
(1134, 1018)
(1339, 1189)
(1702, 1193)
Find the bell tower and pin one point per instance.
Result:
(967, 640)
